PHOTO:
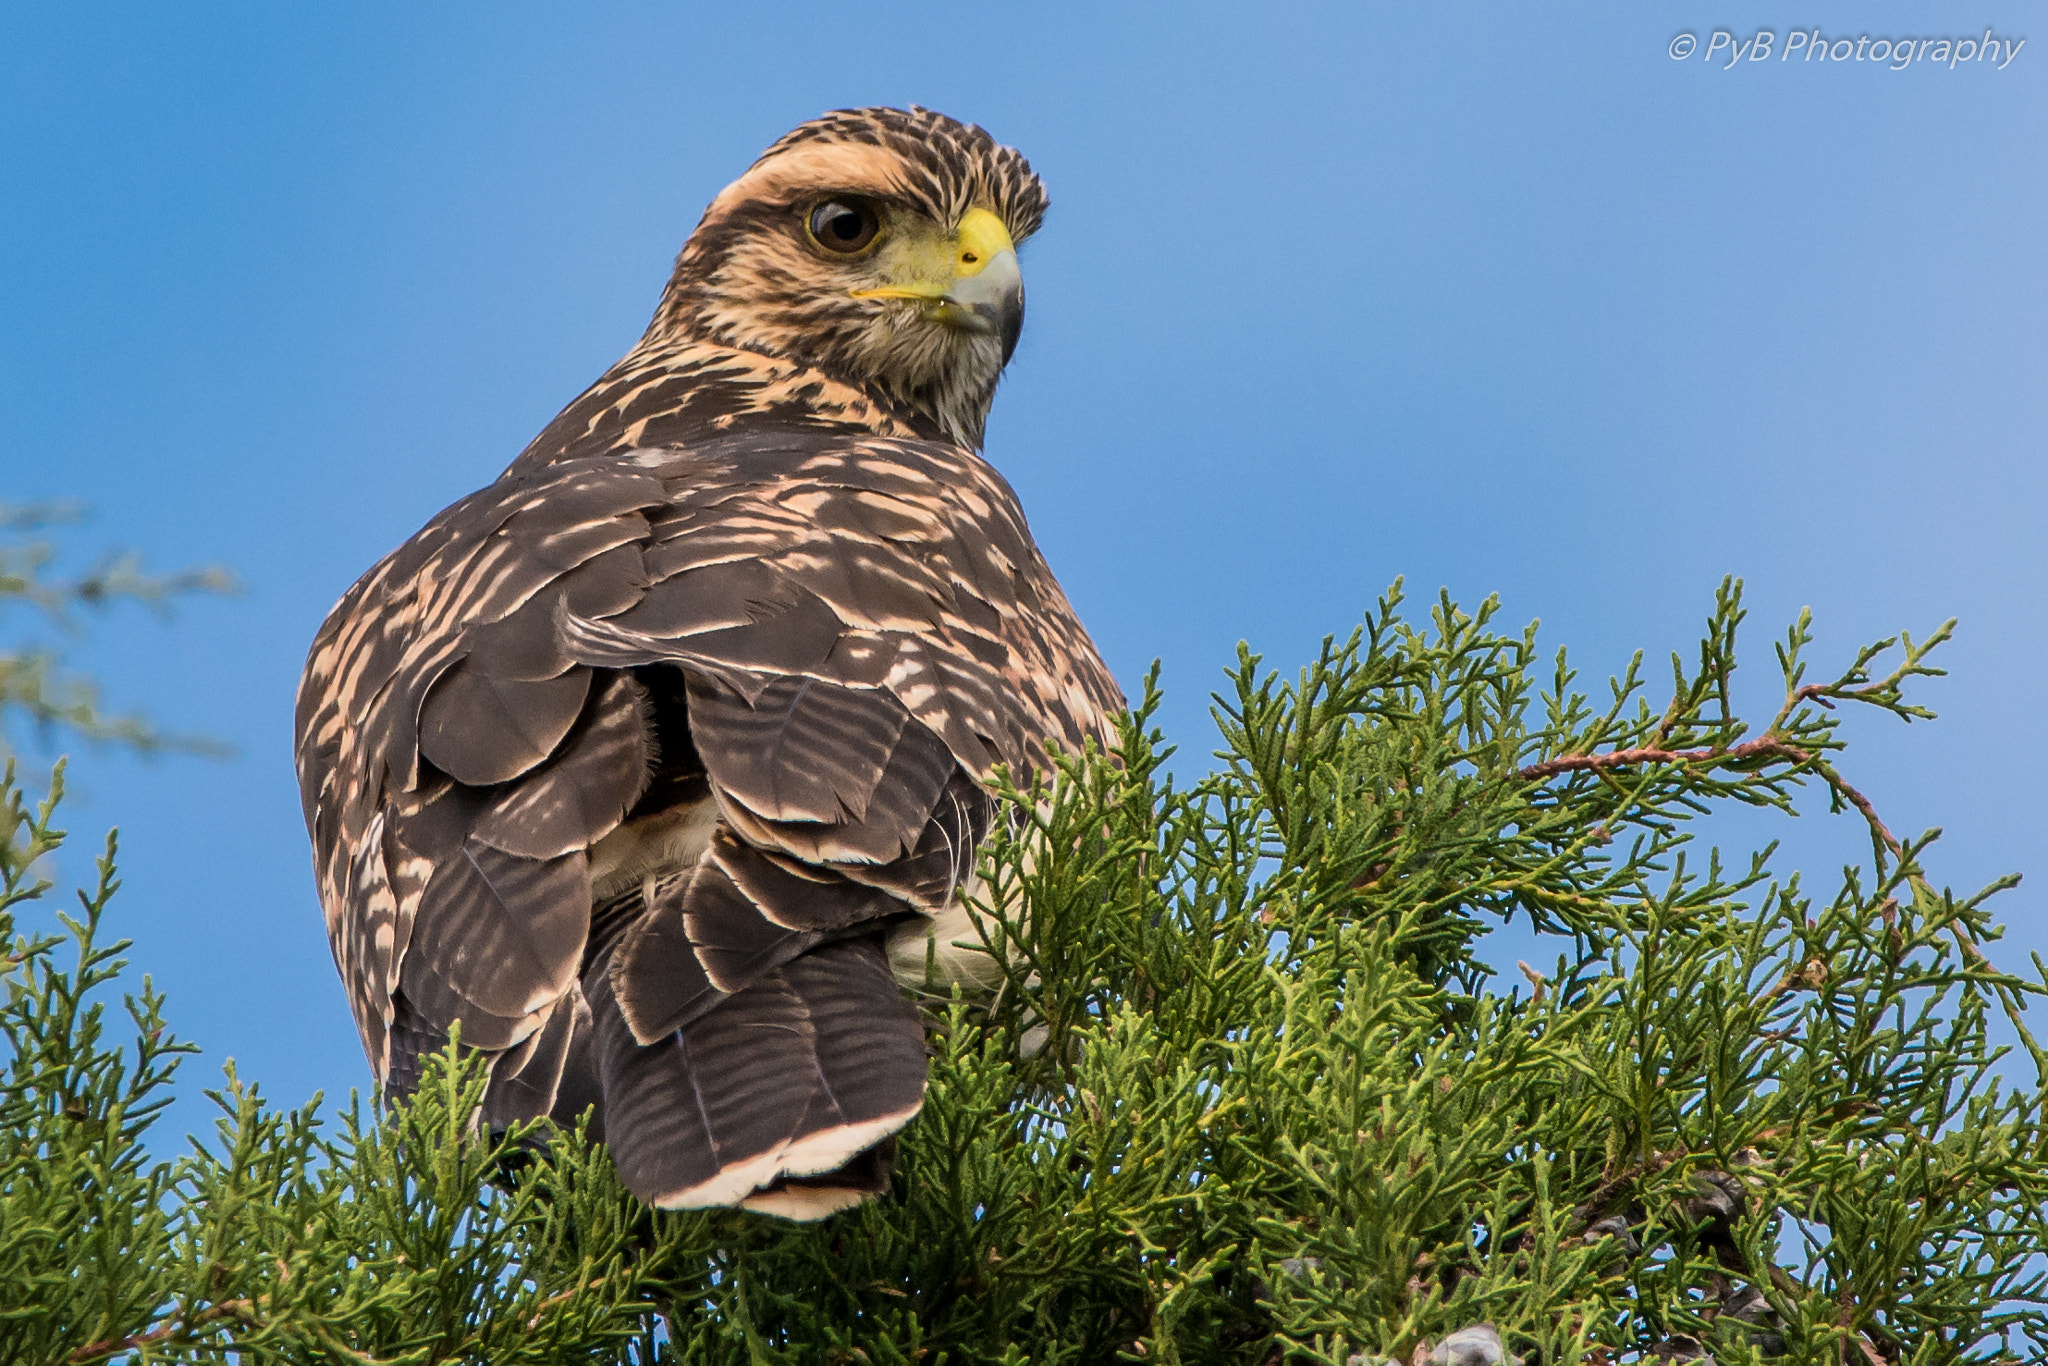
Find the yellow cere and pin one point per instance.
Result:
(927, 268)
(980, 238)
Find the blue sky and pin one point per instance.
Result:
(1500, 298)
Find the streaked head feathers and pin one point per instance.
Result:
(916, 311)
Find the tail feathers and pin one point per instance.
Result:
(782, 1098)
(527, 1080)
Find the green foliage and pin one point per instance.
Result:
(34, 684)
(384, 1242)
(1246, 1092)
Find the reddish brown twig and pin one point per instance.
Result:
(1766, 746)
(1763, 747)
(239, 1310)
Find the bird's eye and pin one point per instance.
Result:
(844, 226)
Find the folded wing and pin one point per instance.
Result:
(761, 685)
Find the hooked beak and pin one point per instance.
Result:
(991, 300)
(978, 288)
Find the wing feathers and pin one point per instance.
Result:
(858, 630)
(481, 730)
(526, 1079)
(820, 772)
(435, 1004)
(715, 597)
(701, 940)
(802, 751)
(944, 857)
(505, 933)
(817, 900)
(793, 641)
(608, 583)
(585, 790)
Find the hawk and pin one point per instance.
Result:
(654, 763)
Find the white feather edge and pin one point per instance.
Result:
(740, 1183)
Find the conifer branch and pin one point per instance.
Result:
(1236, 1086)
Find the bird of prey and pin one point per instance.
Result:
(653, 763)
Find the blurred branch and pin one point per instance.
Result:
(33, 680)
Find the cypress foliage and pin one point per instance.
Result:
(1246, 1092)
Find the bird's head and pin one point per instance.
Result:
(876, 245)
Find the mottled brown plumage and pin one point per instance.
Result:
(633, 761)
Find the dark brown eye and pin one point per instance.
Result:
(844, 226)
